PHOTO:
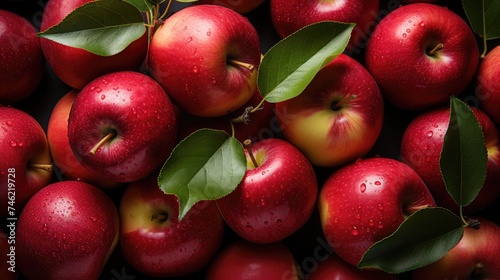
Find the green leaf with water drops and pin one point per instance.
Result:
(464, 156)
(483, 17)
(206, 165)
(290, 65)
(423, 238)
(104, 27)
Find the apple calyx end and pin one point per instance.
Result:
(238, 63)
(111, 134)
(248, 146)
(473, 223)
(161, 217)
(478, 271)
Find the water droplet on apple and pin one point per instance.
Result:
(380, 225)
(214, 81)
(377, 183)
(262, 202)
(13, 143)
(50, 218)
(9, 123)
(430, 133)
(93, 219)
(371, 223)
(435, 125)
(380, 206)
(98, 89)
(209, 33)
(404, 35)
(103, 97)
(20, 143)
(185, 27)
(248, 227)
(45, 227)
(190, 39)
(355, 231)
(362, 187)
(195, 69)
(408, 30)
(421, 24)
(115, 88)
(358, 216)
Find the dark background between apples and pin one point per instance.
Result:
(309, 239)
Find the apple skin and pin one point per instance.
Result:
(398, 55)
(62, 155)
(488, 84)
(338, 117)
(77, 67)
(68, 230)
(365, 201)
(23, 146)
(240, 6)
(256, 130)
(336, 268)
(6, 249)
(22, 60)
(477, 248)
(289, 16)
(195, 45)
(421, 147)
(243, 260)
(166, 247)
(140, 112)
(275, 199)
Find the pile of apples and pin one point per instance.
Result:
(86, 138)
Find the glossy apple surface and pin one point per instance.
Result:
(488, 82)
(474, 257)
(77, 67)
(421, 54)
(338, 117)
(62, 155)
(243, 260)
(240, 6)
(289, 16)
(274, 199)
(25, 165)
(21, 58)
(155, 242)
(213, 52)
(138, 117)
(66, 231)
(365, 201)
(421, 147)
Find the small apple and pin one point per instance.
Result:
(25, 165)
(62, 155)
(488, 84)
(421, 54)
(338, 117)
(8, 269)
(122, 126)
(206, 58)
(22, 60)
(474, 257)
(289, 16)
(68, 230)
(276, 196)
(367, 200)
(243, 260)
(77, 67)
(155, 242)
(240, 6)
(421, 147)
(336, 268)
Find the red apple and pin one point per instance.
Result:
(21, 58)
(26, 166)
(289, 16)
(66, 231)
(421, 54)
(338, 117)
(206, 58)
(155, 242)
(336, 268)
(277, 195)
(488, 82)
(122, 126)
(77, 67)
(243, 260)
(57, 136)
(8, 269)
(241, 6)
(474, 257)
(365, 201)
(421, 147)
(260, 125)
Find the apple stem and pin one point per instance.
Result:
(248, 66)
(106, 138)
(41, 166)
(437, 48)
(478, 269)
(248, 146)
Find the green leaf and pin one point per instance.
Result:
(483, 17)
(423, 238)
(464, 156)
(104, 27)
(206, 165)
(141, 5)
(290, 65)
(156, 2)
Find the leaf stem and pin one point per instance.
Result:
(165, 12)
(485, 48)
(248, 146)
